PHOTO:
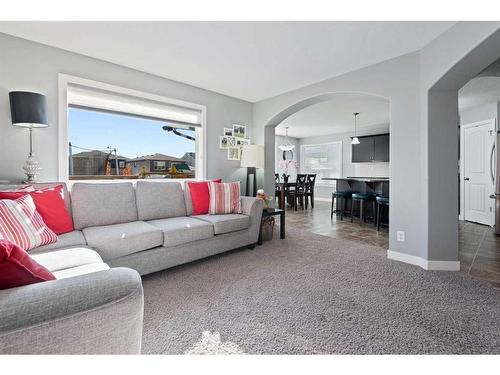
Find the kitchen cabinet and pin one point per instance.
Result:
(373, 148)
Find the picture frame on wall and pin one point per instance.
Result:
(228, 132)
(242, 142)
(231, 142)
(223, 142)
(233, 153)
(239, 131)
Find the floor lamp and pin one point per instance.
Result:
(252, 157)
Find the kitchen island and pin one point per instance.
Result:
(375, 185)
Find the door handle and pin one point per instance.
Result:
(491, 164)
(466, 178)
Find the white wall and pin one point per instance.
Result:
(30, 66)
(480, 113)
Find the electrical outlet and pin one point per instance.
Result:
(400, 236)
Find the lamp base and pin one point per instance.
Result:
(251, 171)
(32, 169)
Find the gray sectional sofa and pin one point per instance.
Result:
(121, 230)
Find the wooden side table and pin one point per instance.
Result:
(267, 212)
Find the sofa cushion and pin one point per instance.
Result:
(159, 200)
(18, 268)
(102, 204)
(62, 259)
(21, 224)
(180, 230)
(199, 196)
(224, 198)
(50, 204)
(226, 223)
(114, 241)
(80, 270)
(70, 239)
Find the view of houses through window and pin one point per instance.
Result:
(114, 146)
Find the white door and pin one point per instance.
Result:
(478, 172)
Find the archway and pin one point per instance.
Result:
(442, 134)
(308, 117)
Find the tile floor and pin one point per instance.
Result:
(479, 247)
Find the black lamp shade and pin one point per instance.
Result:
(28, 109)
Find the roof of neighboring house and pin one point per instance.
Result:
(157, 156)
(182, 167)
(95, 153)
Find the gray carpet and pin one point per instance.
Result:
(314, 294)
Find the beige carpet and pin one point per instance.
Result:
(314, 294)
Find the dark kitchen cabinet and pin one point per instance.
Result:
(362, 153)
(373, 148)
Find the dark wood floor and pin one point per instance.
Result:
(479, 247)
(479, 252)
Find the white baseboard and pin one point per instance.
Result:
(430, 265)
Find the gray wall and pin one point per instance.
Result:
(423, 154)
(30, 66)
(446, 65)
(397, 81)
(348, 167)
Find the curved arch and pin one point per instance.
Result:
(300, 105)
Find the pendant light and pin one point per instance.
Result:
(355, 139)
(287, 145)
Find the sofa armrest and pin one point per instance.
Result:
(253, 207)
(99, 313)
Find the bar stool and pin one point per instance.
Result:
(361, 198)
(344, 196)
(381, 202)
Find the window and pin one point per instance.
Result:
(117, 133)
(325, 160)
(159, 165)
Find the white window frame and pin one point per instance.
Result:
(63, 138)
(302, 155)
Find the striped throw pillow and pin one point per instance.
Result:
(224, 198)
(21, 224)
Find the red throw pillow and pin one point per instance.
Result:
(200, 196)
(49, 203)
(18, 268)
(224, 198)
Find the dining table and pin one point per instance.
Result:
(283, 187)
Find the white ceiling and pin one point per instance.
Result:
(479, 91)
(247, 60)
(336, 116)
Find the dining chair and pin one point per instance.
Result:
(299, 191)
(310, 181)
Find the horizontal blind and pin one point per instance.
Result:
(324, 160)
(107, 101)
